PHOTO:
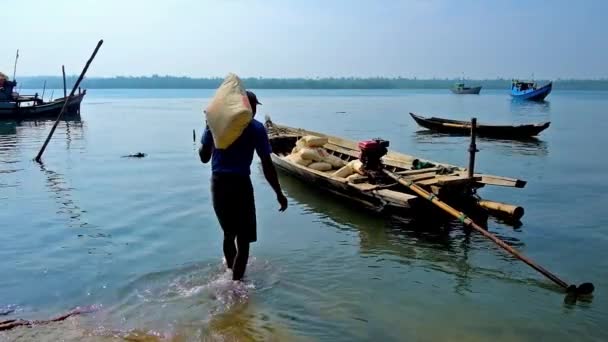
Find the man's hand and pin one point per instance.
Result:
(282, 201)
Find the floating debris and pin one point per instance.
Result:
(136, 155)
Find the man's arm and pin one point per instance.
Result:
(206, 149)
(270, 173)
(263, 149)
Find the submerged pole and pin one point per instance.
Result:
(472, 148)
(67, 101)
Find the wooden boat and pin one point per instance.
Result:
(460, 89)
(525, 90)
(449, 182)
(21, 107)
(491, 131)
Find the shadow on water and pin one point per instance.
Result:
(531, 146)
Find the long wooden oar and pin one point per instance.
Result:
(583, 289)
(67, 101)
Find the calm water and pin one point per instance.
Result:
(138, 237)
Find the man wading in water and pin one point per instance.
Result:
(231, 188)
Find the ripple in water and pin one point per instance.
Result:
(188, 301)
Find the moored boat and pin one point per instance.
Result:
(490, 131)
(14, 106)
(526, 90)
(461, 89)
(451, 183)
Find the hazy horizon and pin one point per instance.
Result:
(424, 39)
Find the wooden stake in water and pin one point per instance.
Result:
(67, 101)
(64, 89)
(472, 148)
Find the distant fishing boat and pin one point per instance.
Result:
(529, 90)
(14, 106)
(490, 131)
(460, 88)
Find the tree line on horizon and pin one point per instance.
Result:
(174, 82)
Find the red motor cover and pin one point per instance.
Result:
(367, 145)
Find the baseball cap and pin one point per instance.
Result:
(252, 98)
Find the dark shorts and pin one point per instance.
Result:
(234, 205)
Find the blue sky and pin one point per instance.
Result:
(309, 38)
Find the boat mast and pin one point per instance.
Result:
(15, 68)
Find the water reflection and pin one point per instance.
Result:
(531, 146)
(527, 108)
(435, 243)
(62, 193)
(8, 127)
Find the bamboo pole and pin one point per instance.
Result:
(67, 101)
(64, 87)
(583, 289)
(15, 67)
(513, 211)
(43, 90)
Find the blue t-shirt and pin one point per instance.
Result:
(237, 157)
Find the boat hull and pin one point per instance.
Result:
(47, 110)
(490, 131)
(533, 95)
(343, 190)
(471, 90)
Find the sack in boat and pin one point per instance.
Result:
(357, 166)
(320, 166)
(311, 141)
(335, 162)
(315, 154)
(344, 171)
(297, 158)
(229, 112)
(354, 167)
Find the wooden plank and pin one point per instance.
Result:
(421, 177)
(363, 186)
(448, 180)
(501, 181)
(415, 172)
(340, 149)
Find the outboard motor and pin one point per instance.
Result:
(371, 153)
